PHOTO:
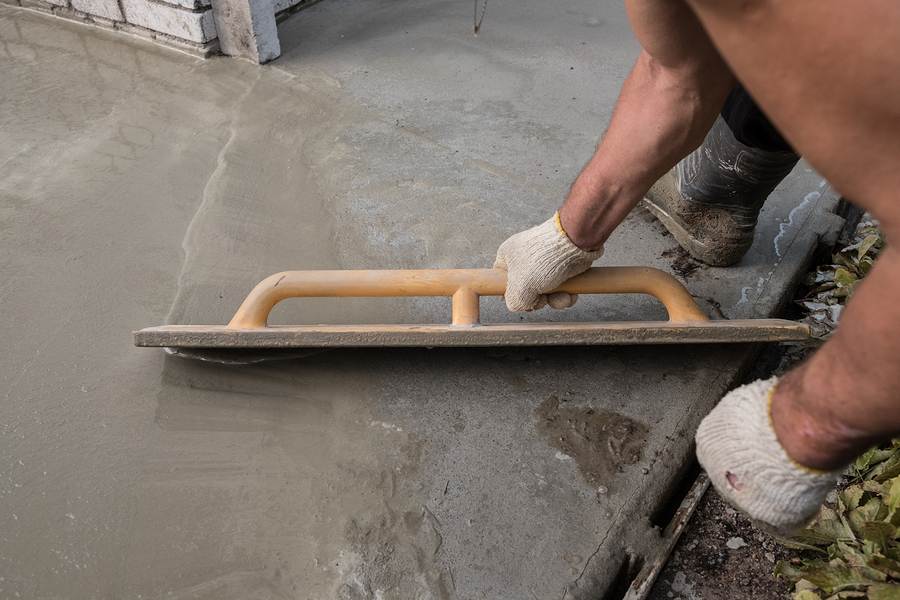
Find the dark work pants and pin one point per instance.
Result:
(749, 125)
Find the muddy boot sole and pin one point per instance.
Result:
(708, 233)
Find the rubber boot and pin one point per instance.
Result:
(711, 200)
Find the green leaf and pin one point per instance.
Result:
(876, 471)
(873, 510)
(883, 591)
(851, 497)
(865, 459)
(878, 532)
(784, 570)
(865, 265)
(846, 262)
(804, 585)
(888, 566)
(837, 576)
(894, 518)
(858, 518)
(891, 495)
(870, 485)
(891, 468)
(828, 285)
(800, 543)
(806, 595)
(817, 277)
(851, 555)
(870, 548)
(846, 290)
(866, 245)
(877, 455)
(826, 529)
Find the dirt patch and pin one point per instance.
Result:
(721, 555)
(717, 307)
(601, 442)
(682, 262)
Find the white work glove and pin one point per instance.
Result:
(777, 494)
(539, 260)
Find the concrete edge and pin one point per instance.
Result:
(627, 560)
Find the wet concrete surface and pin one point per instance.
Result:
(141, 187)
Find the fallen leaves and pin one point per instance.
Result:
(830, 285)
(858, 537)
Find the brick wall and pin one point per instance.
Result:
(189, 25)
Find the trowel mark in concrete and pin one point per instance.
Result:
(262, 209)
(389, 566)
(601, 442)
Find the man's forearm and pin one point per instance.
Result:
(662, 115)
(843, 400)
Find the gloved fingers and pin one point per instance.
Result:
(500, 262)
(560, 300)
(538, 260)
(521, 300)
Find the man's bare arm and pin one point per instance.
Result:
(667, 105)
(825, 72)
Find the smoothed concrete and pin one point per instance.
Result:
(141, 187)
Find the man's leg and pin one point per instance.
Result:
(710, 201)
(825, 73)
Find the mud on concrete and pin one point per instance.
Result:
(601, 442)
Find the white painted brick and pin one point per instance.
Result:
(108, 9)
(168, 19)
(191, 4)
(247, 29)
(104, 23)
(281, 5)
(36, 5)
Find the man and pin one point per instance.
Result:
(826, 74)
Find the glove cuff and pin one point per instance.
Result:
(571, 250)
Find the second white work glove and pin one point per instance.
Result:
(737, 445)
(539, 260)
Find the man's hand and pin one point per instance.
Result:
(539, 260)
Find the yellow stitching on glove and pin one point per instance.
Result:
(561, 230)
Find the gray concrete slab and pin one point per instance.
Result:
(140, 187)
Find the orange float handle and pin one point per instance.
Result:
(465, 286)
